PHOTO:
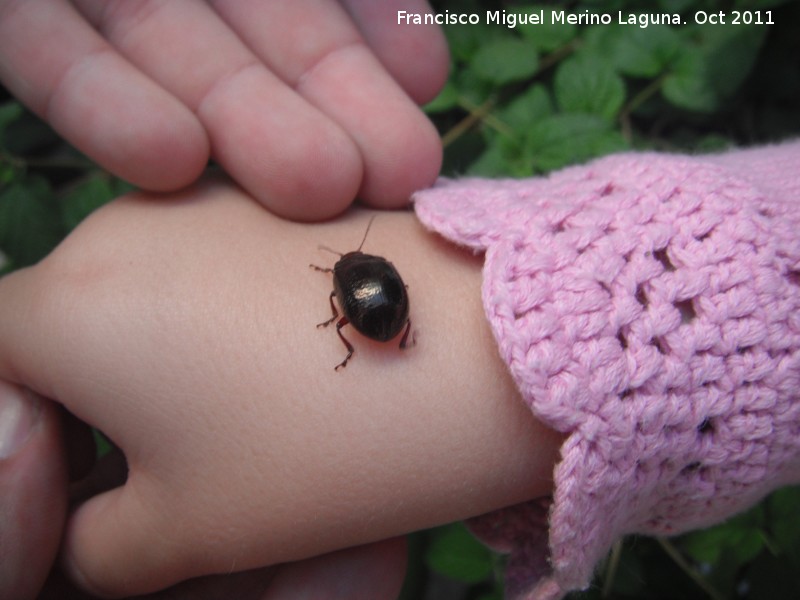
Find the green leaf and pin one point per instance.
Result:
(8, 172)
(506, 155)
(465, 40)
(565, 139)
(29, 225)
(689, 85)
(505, 60)
(546, 36)
(472, 88)
(447, 99)
(9, 112)
(527, 108)
(455, 553)
(101, 443)
(759, 4)
(732, 52)
(782, 506)
(640, 52)
(490, 163)
(707, 546)
(713, 68)
(87, 196)
(675, 5)
(590, 86)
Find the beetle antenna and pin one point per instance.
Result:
(365, 234)
(331, 250)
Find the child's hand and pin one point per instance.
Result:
(33, 499)
(185, 329)
(306, 104)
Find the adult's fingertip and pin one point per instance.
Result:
(410, 161)
(416, 55)
(400, 148)
(33, 492)
(370, 572)
(164, 152)
(320, 183)
(166, 155)
(19, 413)
(128, 124)
(295, 161)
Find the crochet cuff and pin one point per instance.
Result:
(649, 306)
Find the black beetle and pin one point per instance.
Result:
(372, 297)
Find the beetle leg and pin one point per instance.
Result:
(341, 323)
(321, 269)
(404, 339)
(333, 310)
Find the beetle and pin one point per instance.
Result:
(372, 296)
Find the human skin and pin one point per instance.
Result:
(151, 89)
(33, 504)
(183, 327)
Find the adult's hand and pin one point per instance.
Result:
(33, 490)
(307, 104)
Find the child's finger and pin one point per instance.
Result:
(59, 66)
(115, 544)
(113, 534)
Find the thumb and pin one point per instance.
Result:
(33, 491)
(118, 543)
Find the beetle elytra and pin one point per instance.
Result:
(371, 295)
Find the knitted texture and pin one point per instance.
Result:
(649, 306)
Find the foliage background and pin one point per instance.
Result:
(528, 100)
(521, 102)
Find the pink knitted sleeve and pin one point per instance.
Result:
(649, 306)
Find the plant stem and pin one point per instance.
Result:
(676, 556)
(476, 114)
(611, 569)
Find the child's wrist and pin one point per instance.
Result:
(645, 304)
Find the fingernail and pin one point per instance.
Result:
(19, 412)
